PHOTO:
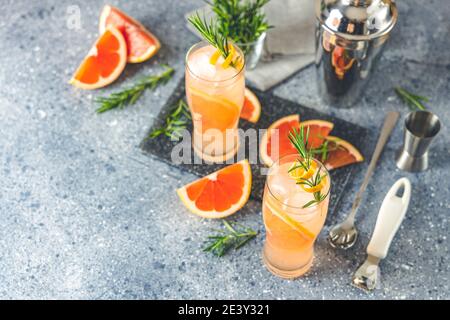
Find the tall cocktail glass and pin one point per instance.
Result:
(291, 229)
(215, 95)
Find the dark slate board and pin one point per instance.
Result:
(273, 108)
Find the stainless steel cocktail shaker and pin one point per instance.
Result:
(350, 35)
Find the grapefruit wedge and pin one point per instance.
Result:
(341, 153)
(251, 110)
(208, 107)
(318, 131)
(141, 43)
(219, 194)
(104, 62)
(276, 137)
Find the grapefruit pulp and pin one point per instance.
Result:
(341, 153)
(318, 131)
(220, 194)
(104, 62)
(141, 43)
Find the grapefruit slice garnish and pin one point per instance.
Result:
(318, 131)
(104, 62)
(141, 43)
(251, 111)
(214, 112)
(294, 224)
(341, 153)
(219, 194)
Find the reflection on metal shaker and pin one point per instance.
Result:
(350, 34)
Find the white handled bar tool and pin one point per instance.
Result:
(390, 217)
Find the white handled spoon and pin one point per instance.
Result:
(389, 218)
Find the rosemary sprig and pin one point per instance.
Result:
(229, 238)
(242, 21)
(176, 121)
(414, 101)
(324, 150)
(300, 141)
(211, 33)
(130, 95)
(318, 197)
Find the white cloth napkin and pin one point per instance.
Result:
(289, 45)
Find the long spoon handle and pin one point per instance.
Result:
(388, 126)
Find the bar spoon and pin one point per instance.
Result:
(344, 235)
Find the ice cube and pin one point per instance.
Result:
(298, 198)
(279, 186)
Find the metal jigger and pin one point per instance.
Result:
(420, 129)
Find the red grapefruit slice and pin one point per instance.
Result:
(279, 130)
(251, 110)
(141, 43)
(219, 194)
(318, 131)
(342, 153)
(104, 62)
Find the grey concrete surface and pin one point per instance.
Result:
(85, 215)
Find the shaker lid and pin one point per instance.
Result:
(357, 19)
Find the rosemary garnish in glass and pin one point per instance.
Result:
(300, 141)
(214, 36)
(211, 33)
(234, 236)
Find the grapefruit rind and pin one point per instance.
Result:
(265, 158)
(152, 50)
(93, 52)
(213, 214)
(320, 123)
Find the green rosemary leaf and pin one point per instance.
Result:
(175, 123)
(242, 21)
(422, 98)
(414, 101)
(130, 95)
(309, 204)
(211, 33)
(229, 238)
